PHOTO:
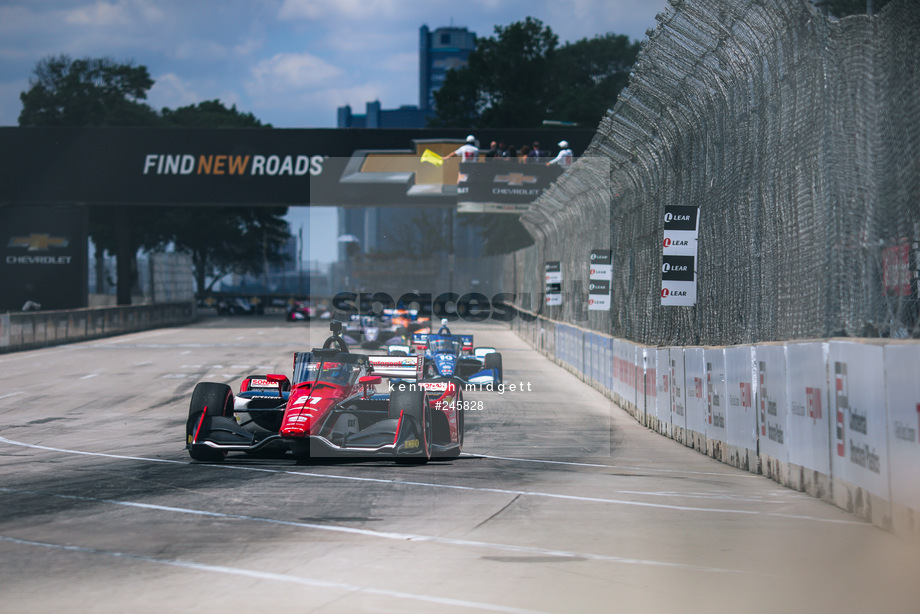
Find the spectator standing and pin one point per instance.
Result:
(468, 152)
(522, 155)
(493, 151)
(565, 157)
(535, 155)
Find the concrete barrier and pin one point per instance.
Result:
(838, 419)
(31, 330)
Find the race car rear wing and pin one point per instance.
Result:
(420, 341)
(401, 367)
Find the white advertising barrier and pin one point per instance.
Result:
(678, 393)
(740, 419)
(695, 385)
(625, 370)
(608, 365)
(716, 395)
(770, 400)
(590, 358)
(633, 373)
(617, 369)
(807, 436)
(902, 373)
(859, 423)
(649, 379)
(663, 390)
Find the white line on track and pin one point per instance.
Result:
(12, 394)
(276, 577)
(503, 491)
(577, 464)
(391, 535)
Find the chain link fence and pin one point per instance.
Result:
(796, 135)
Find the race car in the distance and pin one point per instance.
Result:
(369, 332)
(449, 355)
(298, 311)
(330, 407)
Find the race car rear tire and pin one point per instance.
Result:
(445, 427)
(413, 404)
(494, 361)
(215, 400)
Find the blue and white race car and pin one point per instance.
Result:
(449, 355)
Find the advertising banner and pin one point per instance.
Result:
(43, 257)
(631, 357)
(663, 387)
(598, 295)
(903, 399)
(255, 166)
(740, 420)
(601, 265)
(649, 379)
(600, 279)
(678, 392)
(694, 385)
(716, 395)
(553, 281)
(679, 256)
(859, 423)
(770, 400)
(807, 436)
(502, 186)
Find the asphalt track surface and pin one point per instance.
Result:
(560, 503)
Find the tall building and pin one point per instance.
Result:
(383, 230)
(440, 51)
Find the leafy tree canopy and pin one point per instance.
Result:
(86, 92)
(211, 113)
(521, 77)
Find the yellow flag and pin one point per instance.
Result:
(430, 156)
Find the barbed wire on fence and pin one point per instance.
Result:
(797, 137)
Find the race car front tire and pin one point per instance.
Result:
(413, 405)
(494, 361)
(208, 399)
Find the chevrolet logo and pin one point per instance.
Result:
(38, 242)
(515, 179)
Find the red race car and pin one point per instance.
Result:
(331, 407)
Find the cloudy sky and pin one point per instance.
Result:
(291, 63)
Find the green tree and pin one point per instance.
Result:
(97, 92)
(222, 240)
(211, 113)
(521, 77)
(86, 92)
(504, 83)
(586, 78)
